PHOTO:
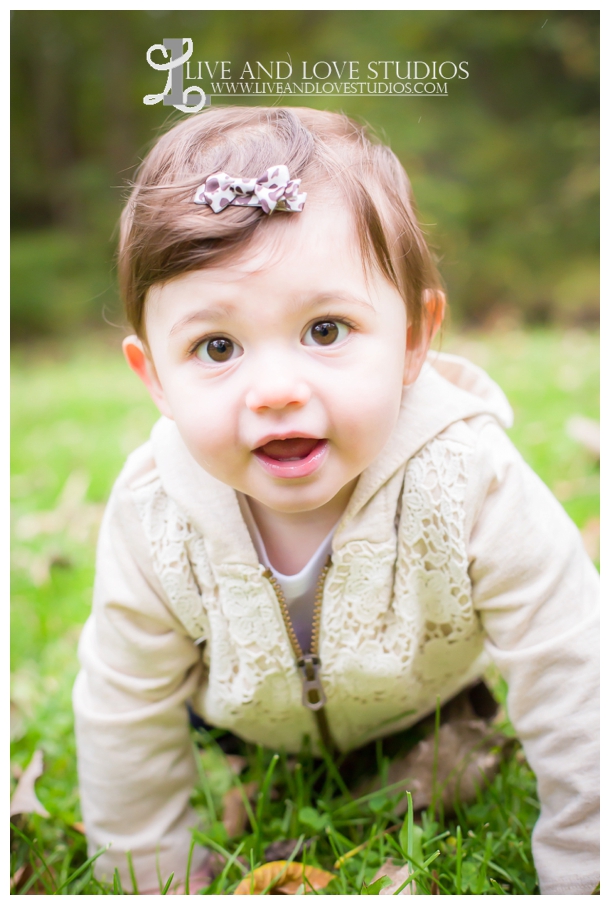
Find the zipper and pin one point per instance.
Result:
(308, 663)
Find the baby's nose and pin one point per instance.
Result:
(277, 390)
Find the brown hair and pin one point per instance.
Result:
(164, 234)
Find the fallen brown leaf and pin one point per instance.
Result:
(234, 814)
(469, 752)
(24, 799)
(283, 878)
(397, 873)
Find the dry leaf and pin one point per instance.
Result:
(24, 800)
(234, 814)
(79, 827)
(467, 752)
(283, 878)
(586, 432)
(397, 873)
(590, 537)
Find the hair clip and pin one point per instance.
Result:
(272, 190)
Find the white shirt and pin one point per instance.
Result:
(299, 589)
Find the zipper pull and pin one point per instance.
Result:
(313, 692)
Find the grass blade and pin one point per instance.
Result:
(132, 874)
(117, 886)
(187, 887)
(165, 889)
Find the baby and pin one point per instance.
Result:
(329, 528)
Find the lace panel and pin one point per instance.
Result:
(433, 590)
(174, 546)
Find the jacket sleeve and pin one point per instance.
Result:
(135, 760)
(537, 594)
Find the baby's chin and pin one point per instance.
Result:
(301, 497)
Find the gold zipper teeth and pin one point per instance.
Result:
(294, 641)
(317, 608)
(317, 611)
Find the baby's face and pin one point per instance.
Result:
(284, 369)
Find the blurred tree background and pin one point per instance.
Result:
(505, 169)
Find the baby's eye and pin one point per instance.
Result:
(325, 333)
(218, 350)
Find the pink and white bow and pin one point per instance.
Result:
(272, 190)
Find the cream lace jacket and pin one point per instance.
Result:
(451, 550)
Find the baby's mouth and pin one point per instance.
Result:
(293, 450)
(296, 457)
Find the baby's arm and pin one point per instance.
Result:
(136, 765)
(538, 596)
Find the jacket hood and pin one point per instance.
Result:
(448, 389)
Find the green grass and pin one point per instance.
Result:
(76, 413)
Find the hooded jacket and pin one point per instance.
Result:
(450, 552)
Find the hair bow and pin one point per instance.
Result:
(272, 190)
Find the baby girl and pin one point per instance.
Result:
(328, 529)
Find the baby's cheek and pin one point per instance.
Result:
(215, 445)
(372, 404)
(210, 440)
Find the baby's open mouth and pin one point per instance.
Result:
(296, 457)
(292, 450)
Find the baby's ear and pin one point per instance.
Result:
(434, 303)
(140, 362)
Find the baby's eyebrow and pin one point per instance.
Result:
(216, 313)
(326, 298)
